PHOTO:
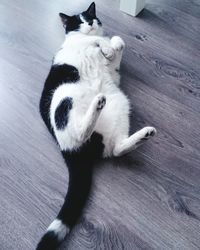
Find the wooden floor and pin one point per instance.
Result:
(149, 199)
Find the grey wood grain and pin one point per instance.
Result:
(149, 199)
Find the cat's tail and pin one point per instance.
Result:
(80, 166)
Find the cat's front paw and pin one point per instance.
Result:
(101, 101)
(108, 52)
(117, 43)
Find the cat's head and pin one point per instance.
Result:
(86, 22)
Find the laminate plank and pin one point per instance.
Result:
(179, 21)
(190, 7)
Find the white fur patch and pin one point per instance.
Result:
(59, 229)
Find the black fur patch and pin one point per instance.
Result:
(90, 19)
(58, 75)
(63, 73)
(48, 242)
(73, 23)
(62, 113)
(80, 165)
(90, 14)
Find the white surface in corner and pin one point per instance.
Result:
(132, 7)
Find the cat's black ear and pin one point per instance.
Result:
(92, 10)
(64, 18)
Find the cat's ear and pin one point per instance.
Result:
(92, 10)
(64, 18)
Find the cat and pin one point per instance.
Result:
(85, 111)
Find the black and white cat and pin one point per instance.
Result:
(85, 111)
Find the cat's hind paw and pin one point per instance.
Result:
(148, 133)
(101, 101)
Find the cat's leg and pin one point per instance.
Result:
(86, 126)
(128, 144)
(118, 46)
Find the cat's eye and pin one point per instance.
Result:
(90, 23)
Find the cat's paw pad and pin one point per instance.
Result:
(117, 43)
(149, 132)
(108, 52)
(101, 101)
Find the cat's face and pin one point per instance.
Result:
(86, 22)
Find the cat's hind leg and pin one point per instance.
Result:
(126, 145)
(86, 126)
